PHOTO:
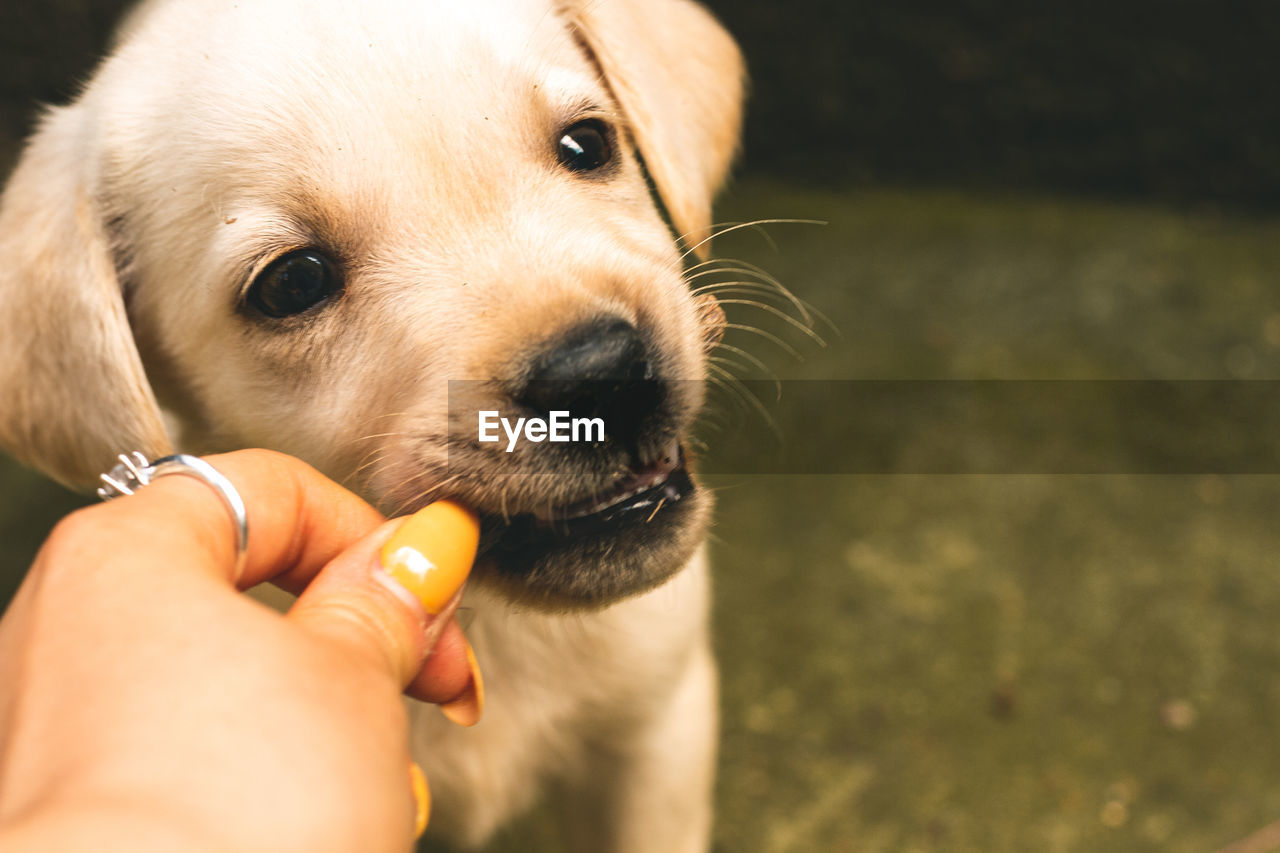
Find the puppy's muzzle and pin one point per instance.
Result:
(587, 522)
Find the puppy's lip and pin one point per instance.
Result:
(645, 492)
(628, 487)
(529, 536)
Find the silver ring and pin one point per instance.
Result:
(134, 472)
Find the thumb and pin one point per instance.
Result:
(389, 596)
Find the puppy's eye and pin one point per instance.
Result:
(584, 147)
(293, 283)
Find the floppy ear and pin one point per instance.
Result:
(680, 79)
(73, 393)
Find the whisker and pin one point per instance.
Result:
(715, 230)
(733, 387)
(754, 403)
(754, 292)
(802, 305)
(727, 363)
(805, 307)
(783, 345)
(767, 277)
(711, 424)
(721, 379)
(715, 537)
(763, 283)
(738, 226)
(375, 418)
(374, 435)
(771, 376)
(373, 459)
(814, 336)
(752, 287)
(423, 494)
(715, 417)
(661, 501)
(764, 368)
(379, 455)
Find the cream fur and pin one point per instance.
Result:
(412, 136)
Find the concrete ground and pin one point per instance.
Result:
(985, 663)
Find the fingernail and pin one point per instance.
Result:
(432, 552)
(421, 799)
(467, 709)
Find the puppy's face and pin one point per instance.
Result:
(324, 220)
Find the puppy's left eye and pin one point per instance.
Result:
(293, 283)
(584, 147)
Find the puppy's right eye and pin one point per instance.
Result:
(584, 147)
(293, 283)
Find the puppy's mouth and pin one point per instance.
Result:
(621, 540)
(643, 489)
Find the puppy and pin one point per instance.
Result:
(291, 224)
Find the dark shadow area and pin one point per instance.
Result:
(1172, 101)
(1169, 101)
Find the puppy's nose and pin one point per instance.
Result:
(598, 370)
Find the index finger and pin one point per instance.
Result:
(299, 519)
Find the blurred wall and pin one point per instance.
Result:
(1167, 99)
(46, 48)
(1158, 98)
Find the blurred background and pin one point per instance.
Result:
(1011, 191)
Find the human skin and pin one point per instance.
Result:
(148, 705)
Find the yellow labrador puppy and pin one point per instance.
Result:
(290, 223)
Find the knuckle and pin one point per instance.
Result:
(280, 465)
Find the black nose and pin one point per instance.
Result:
(598, 370)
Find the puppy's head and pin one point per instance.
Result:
(291, 224)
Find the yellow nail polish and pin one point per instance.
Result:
(421, 799)
(432, 552)
(467, 709)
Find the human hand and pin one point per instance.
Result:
(149, 705)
